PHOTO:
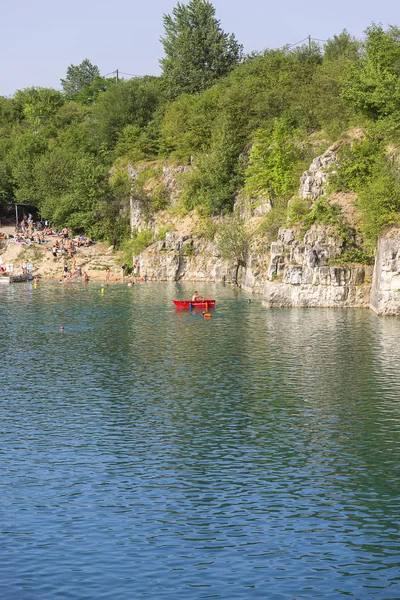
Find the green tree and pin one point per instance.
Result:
(132, 102)
(79, 77)
(188, 123)
(379, 201)
(357, 165)
(330, 111)
(234, 242)
(373, 87)
(272, 162)
(6, 182)
(197, 50)
(38, 105)
(7, 111)
(211, 185)
(52, 174)
(7, 118)
(342, 46)
(137, 143)
(21, 159)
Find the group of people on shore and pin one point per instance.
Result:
(127, 274)
(73, 271)
(28, 232)
(66, 246)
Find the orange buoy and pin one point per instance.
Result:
(207, 315)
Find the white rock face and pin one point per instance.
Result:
(334, 287)
(314, 249)
(139, 216)
(252, 207)
(385, 293)
(313, 181)
(254, 274)
(298, 274)
(169, 179)
(183, 258)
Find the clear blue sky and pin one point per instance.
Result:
(41, 38)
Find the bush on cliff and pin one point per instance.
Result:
(272, 161)
(379, 201)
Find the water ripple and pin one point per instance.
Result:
(150, 453)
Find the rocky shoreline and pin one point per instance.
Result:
(295, 275)
(299, 269)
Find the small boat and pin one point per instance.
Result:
(20, 278)
(190, 304)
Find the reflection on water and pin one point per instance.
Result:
(147, 452)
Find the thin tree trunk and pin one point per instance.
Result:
(237, 273)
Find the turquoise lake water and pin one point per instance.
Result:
(149, 453)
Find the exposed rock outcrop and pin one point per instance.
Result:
(385, 293)
(331, 287)
(168, 176)
(299, 275)
(313, 181)
(184, 258)
(255, 274)
(252, 207)
(297, 270)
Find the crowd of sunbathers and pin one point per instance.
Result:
(60, 243)
(28, 232)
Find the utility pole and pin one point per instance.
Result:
(116, 76)
(309, 43)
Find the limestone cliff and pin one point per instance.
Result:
(184, 258)
(165, 175)
(300, 268)
(313, 182)
(385, 293)
(300, 276)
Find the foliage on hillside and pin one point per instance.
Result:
(247, 127)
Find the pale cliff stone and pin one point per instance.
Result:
(176, 265)
(295, 271)
(254, 274)
(170, 178)
(248, 207)
(314, 249)
(313, 181)
(306, 279)
(385, 293)
(280, 295)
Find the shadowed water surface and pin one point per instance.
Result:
(149, 453)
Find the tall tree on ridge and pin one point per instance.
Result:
(79, 77)
(197, 50)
